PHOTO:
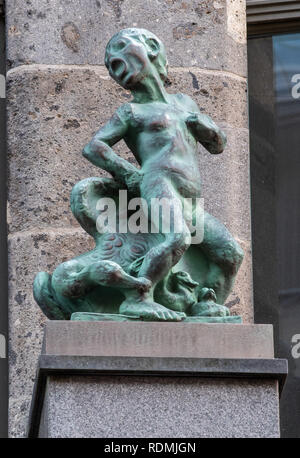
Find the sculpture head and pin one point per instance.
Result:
(133, 55)
(207, 294)
(184, 279)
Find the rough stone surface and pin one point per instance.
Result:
(74, 103)
(160, 407)
(189, 340)
(207, 34)
(32, 252)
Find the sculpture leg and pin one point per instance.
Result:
(73, 279)
(59, 295)
(162, 257)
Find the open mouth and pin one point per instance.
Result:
(210, 295)
(118, 67)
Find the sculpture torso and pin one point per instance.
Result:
(161, 140)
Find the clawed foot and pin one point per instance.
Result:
(207, 305)
(147, 310)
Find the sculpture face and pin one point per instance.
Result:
(127, 61)
(134, 54)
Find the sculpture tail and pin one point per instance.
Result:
(43, 295)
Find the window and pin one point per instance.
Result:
(274, 117)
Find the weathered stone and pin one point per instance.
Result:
(73, 103)
(208, 34)
(142, 339)
(29, 253)
(218, 94)
(236, 20)
(160, 407)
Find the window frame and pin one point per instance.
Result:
(265, 17)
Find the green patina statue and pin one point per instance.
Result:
(146, 275)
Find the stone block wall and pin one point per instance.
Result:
(59, 93)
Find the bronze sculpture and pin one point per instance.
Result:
(156, 275)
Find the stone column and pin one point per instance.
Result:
(59, 93)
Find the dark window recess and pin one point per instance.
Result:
(274, 116)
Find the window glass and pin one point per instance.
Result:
(274, 112)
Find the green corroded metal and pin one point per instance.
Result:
(83, 316)
(145, 276)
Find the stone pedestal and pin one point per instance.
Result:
(108, 379)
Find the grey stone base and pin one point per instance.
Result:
(158, 339)
(99, 391)
(153, 407)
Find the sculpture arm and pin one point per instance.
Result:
(99, 152)
(207, 133)
(205, 129)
